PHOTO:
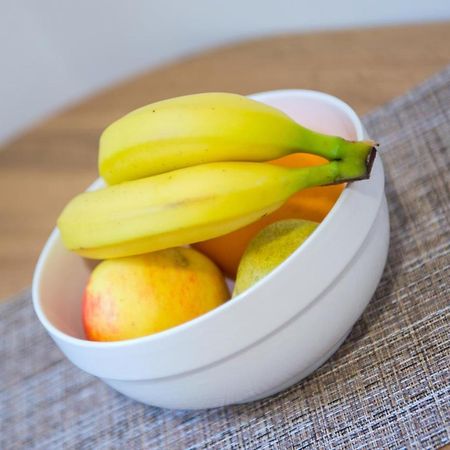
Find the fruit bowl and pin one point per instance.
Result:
(267, 338)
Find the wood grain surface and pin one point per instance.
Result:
(42, 169)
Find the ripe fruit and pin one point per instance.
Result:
(204, 128)
(188, 205)
(136, 296)
(269, 248)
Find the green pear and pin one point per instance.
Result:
(269, 248)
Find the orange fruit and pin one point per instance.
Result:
(309, 204)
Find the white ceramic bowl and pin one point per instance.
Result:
(269, 337)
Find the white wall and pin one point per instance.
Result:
(56, 51)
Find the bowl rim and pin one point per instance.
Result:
(231, 303)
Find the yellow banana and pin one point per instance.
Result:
(188, 205)
(203, 128)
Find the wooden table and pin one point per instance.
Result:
(43, 168)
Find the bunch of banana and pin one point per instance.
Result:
(186, 170)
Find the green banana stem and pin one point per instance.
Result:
(330, 147)
(356, 164)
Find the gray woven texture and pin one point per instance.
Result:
(388, 386)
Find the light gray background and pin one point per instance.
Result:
(53, 52)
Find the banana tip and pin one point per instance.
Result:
(370, 159)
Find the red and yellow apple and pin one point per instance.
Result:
(140, 295)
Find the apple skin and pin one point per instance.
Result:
(136, 296)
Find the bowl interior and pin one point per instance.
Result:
(61, 276)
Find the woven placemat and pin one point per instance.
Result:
(388, 386)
